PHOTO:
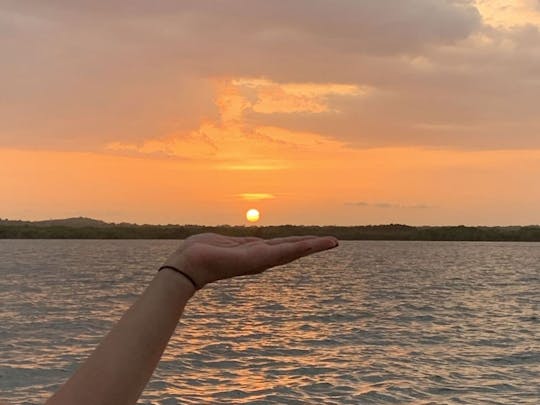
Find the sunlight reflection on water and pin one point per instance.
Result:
(369, 322)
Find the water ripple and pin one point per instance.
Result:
(368, 323)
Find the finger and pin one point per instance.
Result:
(237, 240)
(288, 252)
(283, 253)
(246, 239)
(288, 239)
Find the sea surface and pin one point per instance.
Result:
(366, 323)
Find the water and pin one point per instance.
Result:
(369, 322)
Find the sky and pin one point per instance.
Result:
(347, 112)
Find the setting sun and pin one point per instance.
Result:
(253, 215)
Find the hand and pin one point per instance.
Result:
(209, 257)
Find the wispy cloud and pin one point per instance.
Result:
(272, 97)
(256, 196)
(232, 141)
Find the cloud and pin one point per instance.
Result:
(441, 74)
(380, 26)
(509, 13)
(232, 142)
(256, 196)
(289, 98)
(472, 95)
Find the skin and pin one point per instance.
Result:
(120, 367)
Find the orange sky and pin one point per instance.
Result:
(185, 113)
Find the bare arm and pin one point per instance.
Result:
(120, 367)
(118, 370)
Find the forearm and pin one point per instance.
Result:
(118, 370)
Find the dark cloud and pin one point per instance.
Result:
(463, 96)
(377, 26)
(380, 26)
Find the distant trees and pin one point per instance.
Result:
(84, 229)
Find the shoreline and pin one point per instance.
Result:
(82, 229)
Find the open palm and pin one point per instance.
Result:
(209, 257)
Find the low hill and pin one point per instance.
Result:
(78, 222)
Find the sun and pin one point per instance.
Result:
(253, 215)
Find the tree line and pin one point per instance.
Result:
(29, 230)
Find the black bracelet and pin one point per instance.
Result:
(182, 273)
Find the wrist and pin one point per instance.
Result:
(180, 261)
(175, 282)
(182, 273)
